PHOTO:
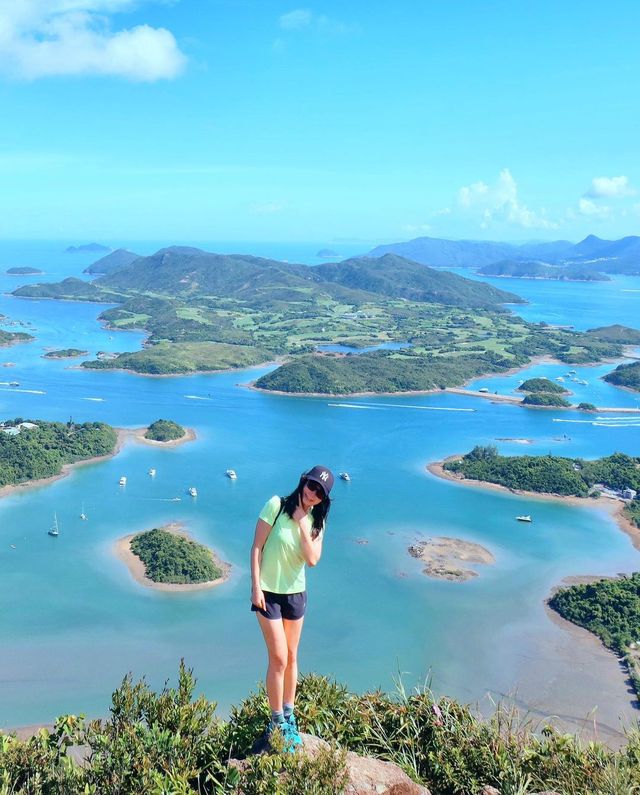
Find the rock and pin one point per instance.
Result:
(489, 790)
(367, 776)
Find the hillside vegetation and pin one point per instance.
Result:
(171, 558)
(625, 375)
(547, 473)
(193, 357)
(545, 399)
(527, 269)
(41, 452)
(171, 743)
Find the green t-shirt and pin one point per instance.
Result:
(282, 567)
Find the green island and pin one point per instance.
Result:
(173, 559)
(13, 337)
(24, 270)
(617, 475)
(627, 375)
(610, 608)
(172, 741)
(207, 312)
(65, 353)
(545, 399)
(164, 431)
(542, 385)
(31, 450)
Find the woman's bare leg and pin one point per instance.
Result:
(276, 640)
(292, 631)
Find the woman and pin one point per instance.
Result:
(288, 536)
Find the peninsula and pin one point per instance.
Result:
(612, 482)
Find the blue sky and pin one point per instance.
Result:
(269, 120)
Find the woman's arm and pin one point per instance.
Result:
(259, 540)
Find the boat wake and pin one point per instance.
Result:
(385, 406)
(607, 422)
(197, 397)
(97, 400)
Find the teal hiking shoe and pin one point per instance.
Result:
(290, 734)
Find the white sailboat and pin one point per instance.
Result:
(54, 530)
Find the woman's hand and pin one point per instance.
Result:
(299, 512)
(257, 597)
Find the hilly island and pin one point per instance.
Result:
(206, 312)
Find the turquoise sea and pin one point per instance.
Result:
(73, 622)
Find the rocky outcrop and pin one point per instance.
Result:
(367, 776)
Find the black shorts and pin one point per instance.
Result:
(290, 606)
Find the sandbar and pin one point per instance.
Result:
(613, 506)
(123, 436)
(448, 558)
(137, 569)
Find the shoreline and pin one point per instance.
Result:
(123, 435)
(461, 390)
(613, 507)
(137, 569)
(178, 375)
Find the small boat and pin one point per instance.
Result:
(526, 518)
(83, 515)
(152, 473)
(344, 476)
(193, 491)
(572, 372)
(54, 530)
(483, 389)
(14, 383)
(123, 481)
(230, 473)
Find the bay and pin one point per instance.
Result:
(74, 622)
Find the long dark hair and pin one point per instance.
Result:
(319, 512)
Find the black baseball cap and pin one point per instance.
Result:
(321, 475)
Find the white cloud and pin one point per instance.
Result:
(587, 207)
(414, 229)
(304, 19)
(296, 20)
(609, 187)
(44, 38)
(499, 203)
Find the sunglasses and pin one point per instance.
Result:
(316, 488)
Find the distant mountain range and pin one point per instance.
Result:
(597, 255)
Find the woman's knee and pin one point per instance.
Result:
(278, 661)
(292, 657)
